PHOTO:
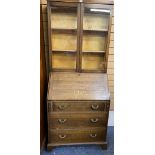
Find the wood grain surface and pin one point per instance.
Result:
(77, 136)
(73, 106)
(62, 120)
(78, 86)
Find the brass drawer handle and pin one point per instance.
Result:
(93, 135)
(94, 120)
(62, 120)
(62, 136)
(61, 107)
(94, 107)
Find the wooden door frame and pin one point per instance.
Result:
(94, 4)
(80, 14)
(63, 4)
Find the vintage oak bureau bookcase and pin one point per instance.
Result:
(78, 99)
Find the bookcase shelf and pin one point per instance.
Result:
(99, 52)
(71, 30)
(63, 51)
(63, 60)
(74, 30)
(95, 30)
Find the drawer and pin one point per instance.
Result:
(72, 120)
(79, 106)
(77, 136)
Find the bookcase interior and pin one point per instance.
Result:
(78, 40)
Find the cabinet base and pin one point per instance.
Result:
(52, 146)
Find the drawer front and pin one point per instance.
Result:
(72, 120)
(79, 106)
(77, 136)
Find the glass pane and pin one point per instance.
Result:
(95, 36)
(64, 41)
(95, 19)
(64, 60)
(64, 17)
(92, 61)
(93, 42)
(64, 37)
(95, 28)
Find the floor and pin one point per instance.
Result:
(87, 149)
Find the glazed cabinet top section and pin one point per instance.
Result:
(78, 86)
(78, 35)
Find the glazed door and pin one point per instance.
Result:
(63, 36)
(95, 23)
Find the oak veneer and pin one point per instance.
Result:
(77, 103)
(77, 120)
(78, 86)
(78, 98)
(73, 106)
(43, 88)
(84, 135)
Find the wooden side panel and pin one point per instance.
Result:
(43, 87)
